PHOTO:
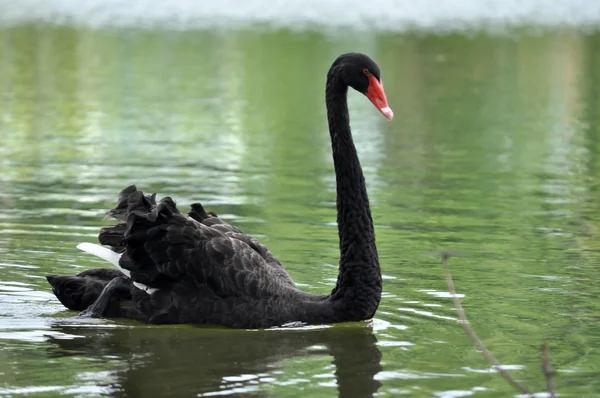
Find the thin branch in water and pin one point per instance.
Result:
(465, 324)
(548, 371)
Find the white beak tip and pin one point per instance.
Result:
(387, 112)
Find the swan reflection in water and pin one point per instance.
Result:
(196, 361)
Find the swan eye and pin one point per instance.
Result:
(366, 72)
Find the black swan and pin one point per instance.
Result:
(196, 268)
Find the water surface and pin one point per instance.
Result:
(494, 153)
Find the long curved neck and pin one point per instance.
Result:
(359, 280)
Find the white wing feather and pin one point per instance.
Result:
(113, 258)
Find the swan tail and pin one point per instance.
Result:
(79, 292)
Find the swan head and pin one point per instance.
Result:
(362, 74)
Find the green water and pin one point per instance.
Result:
(494, 153)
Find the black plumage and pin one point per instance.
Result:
(210, 272)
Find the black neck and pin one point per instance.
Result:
(359, 279)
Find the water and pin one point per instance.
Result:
(493, 154)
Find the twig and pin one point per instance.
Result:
(548, 371)
(465, 324)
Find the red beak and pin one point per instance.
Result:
(377, 96)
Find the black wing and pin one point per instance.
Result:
(162, 247)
